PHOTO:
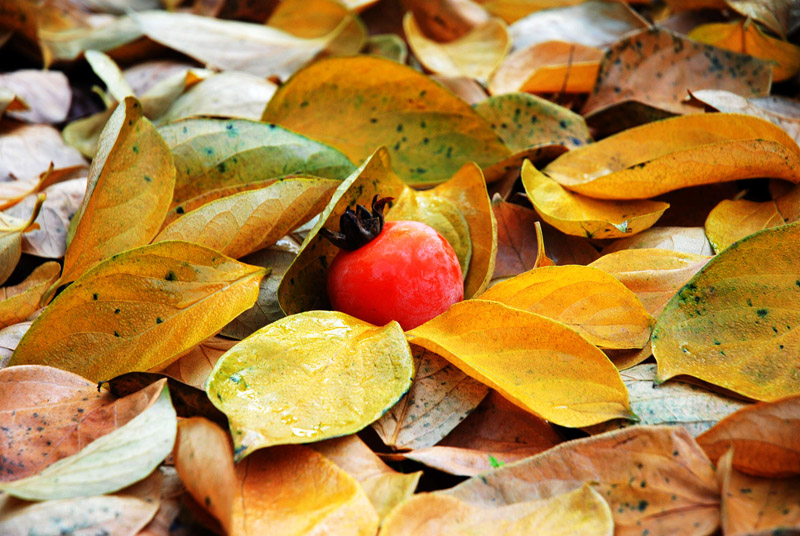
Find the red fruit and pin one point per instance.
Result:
(408, 273)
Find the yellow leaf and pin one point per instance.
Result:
(17, 303)
(474, 55)
(744, 36)
(428, 131)
(588, 300)
(530, 360)
(11, 230)
(308, 377)
(139, 310)
(582, 512)
(577, 215)
(248, 221)
(676, 153)
(130, 188)
(735, 324)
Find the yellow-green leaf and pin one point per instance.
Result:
(676, 153)
(130, 188)
(109, 463)
(17, 303)
(735, 324)
(429, 132)
(215, 153)
(139, 310)
(588, 300)
(248, 221)
(530, 359)
(578, 215)
(309, 377)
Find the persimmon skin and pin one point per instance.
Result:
(408, 273)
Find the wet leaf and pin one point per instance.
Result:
(763, 437)
(678, 64)
(733, 220)
(528, 359)
(124, 512)
(440, 398)
(580, 512)
(46, 93)
(139, 310)
(676, 153)
(309, 377)
(19, 302)
(11, 230)
(193, 367)
(429, 132)
(248, 221)
(475, 54)
(143, 443)
(586, 299)
(29, 150)
(745, 37)
(578, 215)
(691, 240)
(674, 403)
(752, 505)
(654, 275)
(128, 194)
(216, 153)
(653, 478)
(735, 323)
(385, 487)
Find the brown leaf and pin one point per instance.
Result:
(193, 367)
(19, 302)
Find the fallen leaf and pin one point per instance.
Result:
(733, 220)
(215, 153)
(143, 443)
(10, 102)
(691, 240)
(139, 310)
(389, 46)
(762, 437)
(26, 151)
(11, 230)
(677, 64)
(439, 399)
(46, 93)
(19, 302)
(99, 32)
(308, 377)
(124, 512)
(9, 339)
(429, 132)
(579, 512)
(676, 153)
(734, 323)
(84, 134)
(654, 478)
(674, 403)
(774, 14)
(578, 215)
(590, 301)
(747, 38)
(475, 54)
(109, 72)
(129, 190)
(194, 367)
(654, 275)
(752, 505)
(505, 349)
(320, 19)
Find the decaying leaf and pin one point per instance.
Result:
(17, 303)
(734, 324)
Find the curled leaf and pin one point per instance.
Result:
(17, 303)
(11, 230)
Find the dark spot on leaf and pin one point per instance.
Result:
(116, 311)
(642, 506)
(116, 334)
(179, 210)
(171, 276)
(95, 296)
(158, 320)
(136, 149)
(762, 313)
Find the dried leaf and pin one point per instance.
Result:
(586, 299)
(734, 324)
(653, 478)
(109, 72)
(19, 302)
(676, 153)
(438, 400)
(100, 32)
(677, 64)
(9, 339)
(389, 46)
(654, 275)
(84, 134)
(143, 443)
(11, 230)
(578, 215)
(128, 194)
(10, 102)
(248, 221)
(26, 151)
(763, 438)
(46, 93)
(691, 240)
(475, 54)
(447, 20)
(429, 132)
(528, 359)
(582, 512)
(194, 367)
(774, 14)
(309, 377)
(216, 153)
(139, 310)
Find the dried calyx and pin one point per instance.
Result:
(358, 227)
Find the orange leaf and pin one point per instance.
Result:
(19, 302)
